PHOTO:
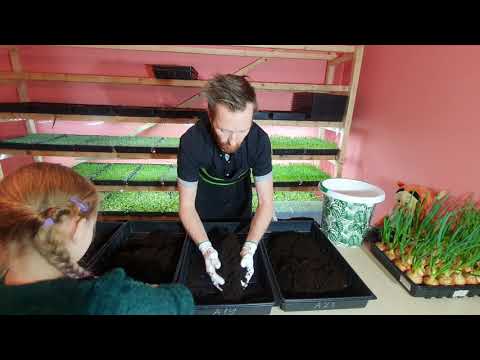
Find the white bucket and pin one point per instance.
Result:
(347, 210)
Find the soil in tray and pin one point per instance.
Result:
(303, 268)
(228, 246)
(152, 259)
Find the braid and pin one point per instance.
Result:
(50, 243)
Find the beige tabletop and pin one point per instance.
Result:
(392, 298)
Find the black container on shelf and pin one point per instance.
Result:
(279, 115)
(173, 215)
(135, 232)
(295, 183)
(261, 300)
(175, 72)
(151, 183)
(305, 151)
(355, 295)
(425, 291)
(322, 107)
(26, 146)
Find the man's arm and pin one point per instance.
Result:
(194, 226)
(189, 215)
(264, 213)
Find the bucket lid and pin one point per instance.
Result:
(353, 191)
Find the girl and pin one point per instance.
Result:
(47, 218)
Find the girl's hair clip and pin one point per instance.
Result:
(81, 205)
(47, 223)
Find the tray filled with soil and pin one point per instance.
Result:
(256, 299)
(148, 251)
(308, 271)
(102, 233)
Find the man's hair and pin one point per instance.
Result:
(234, 91)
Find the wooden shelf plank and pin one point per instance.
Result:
(328, 48)
(326, 52)
(129, 80)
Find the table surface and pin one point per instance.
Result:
(392, 298)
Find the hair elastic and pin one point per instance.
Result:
(81, 205)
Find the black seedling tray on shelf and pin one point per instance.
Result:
(150, 183)
(145, 149)
(305, 151)
(103, 232)
(135, 231)
(321, 107)
(295, 183)
(355, 295)
(101, 110)
(259, 283)
(172, 215)
(27, 146)
(175, 72)
(425, 291)
(279, 115)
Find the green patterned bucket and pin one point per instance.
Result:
(347, 210)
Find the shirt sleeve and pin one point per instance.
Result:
(188, 162)
(118, 294)
(262, 169)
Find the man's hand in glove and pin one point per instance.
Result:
(247, 253)
(212, 263)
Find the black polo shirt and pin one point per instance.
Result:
(198, 150)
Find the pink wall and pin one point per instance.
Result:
(417, 119)
(127, 63)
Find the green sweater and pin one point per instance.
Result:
(111, 294)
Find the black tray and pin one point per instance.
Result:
(139, 213)
(305, 151)
(98, 263)
(190, 253)
(425, 291)
(103, 232)
(279, 115)
(356, 295)
(175, 72)
(145, 149)
(321, 107)
(101, 110)
(26, 146)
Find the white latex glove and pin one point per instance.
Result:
(212, 263)
(247, 253)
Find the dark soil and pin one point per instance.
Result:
(303, 267)
(151, 259)
(228, 246)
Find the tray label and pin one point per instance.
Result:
(405, 282)
(460, 293)
(226, 311)
(324, 305)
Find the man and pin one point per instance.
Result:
(215, 159)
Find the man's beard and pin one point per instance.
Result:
(224, 146)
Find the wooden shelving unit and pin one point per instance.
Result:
(334, 55)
